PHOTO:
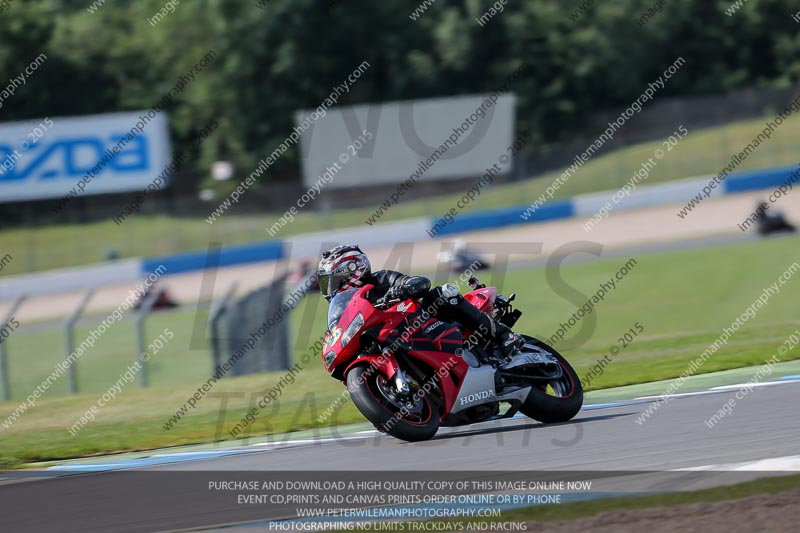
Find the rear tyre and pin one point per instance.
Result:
(411, 418)
(558, 400)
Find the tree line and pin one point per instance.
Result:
(278, 56)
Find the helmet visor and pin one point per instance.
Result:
(331, 282)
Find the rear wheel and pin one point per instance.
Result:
(554, 401)
(411, 417)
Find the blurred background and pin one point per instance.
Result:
(583, 69)
(215, 91)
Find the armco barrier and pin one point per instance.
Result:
(128, 271)
(70, 279)
(505, 216)
(378, 236)
(757, 179)
(233, 255)
(672, 192)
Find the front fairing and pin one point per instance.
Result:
(483, 299)
(343, 311)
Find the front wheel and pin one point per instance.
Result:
(558, 400)
(411, 417)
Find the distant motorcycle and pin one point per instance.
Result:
(774, 223)
(409, 373)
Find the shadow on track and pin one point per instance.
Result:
(524, 427)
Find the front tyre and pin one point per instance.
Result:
(558, 400)
(412, 417)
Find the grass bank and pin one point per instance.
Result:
(682, 299)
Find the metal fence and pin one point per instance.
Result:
(36, 342)
(205, 336)
(255, 326)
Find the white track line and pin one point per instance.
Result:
(790, 463)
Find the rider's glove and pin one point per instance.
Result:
(416, 286)
(396, 293)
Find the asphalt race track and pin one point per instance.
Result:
(765, 424)
(602, 442)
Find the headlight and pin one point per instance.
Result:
(351, 330)
(328, 359)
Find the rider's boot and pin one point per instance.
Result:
(468, 314)
(506, 340)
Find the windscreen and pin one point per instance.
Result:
(337, 306)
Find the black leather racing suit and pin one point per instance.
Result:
(391, 284)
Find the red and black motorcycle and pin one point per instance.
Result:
(410, 373)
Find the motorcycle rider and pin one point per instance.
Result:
(347, 267)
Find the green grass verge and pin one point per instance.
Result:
(701, 152)
(577, 510)
(771, 485)
(682, 298)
